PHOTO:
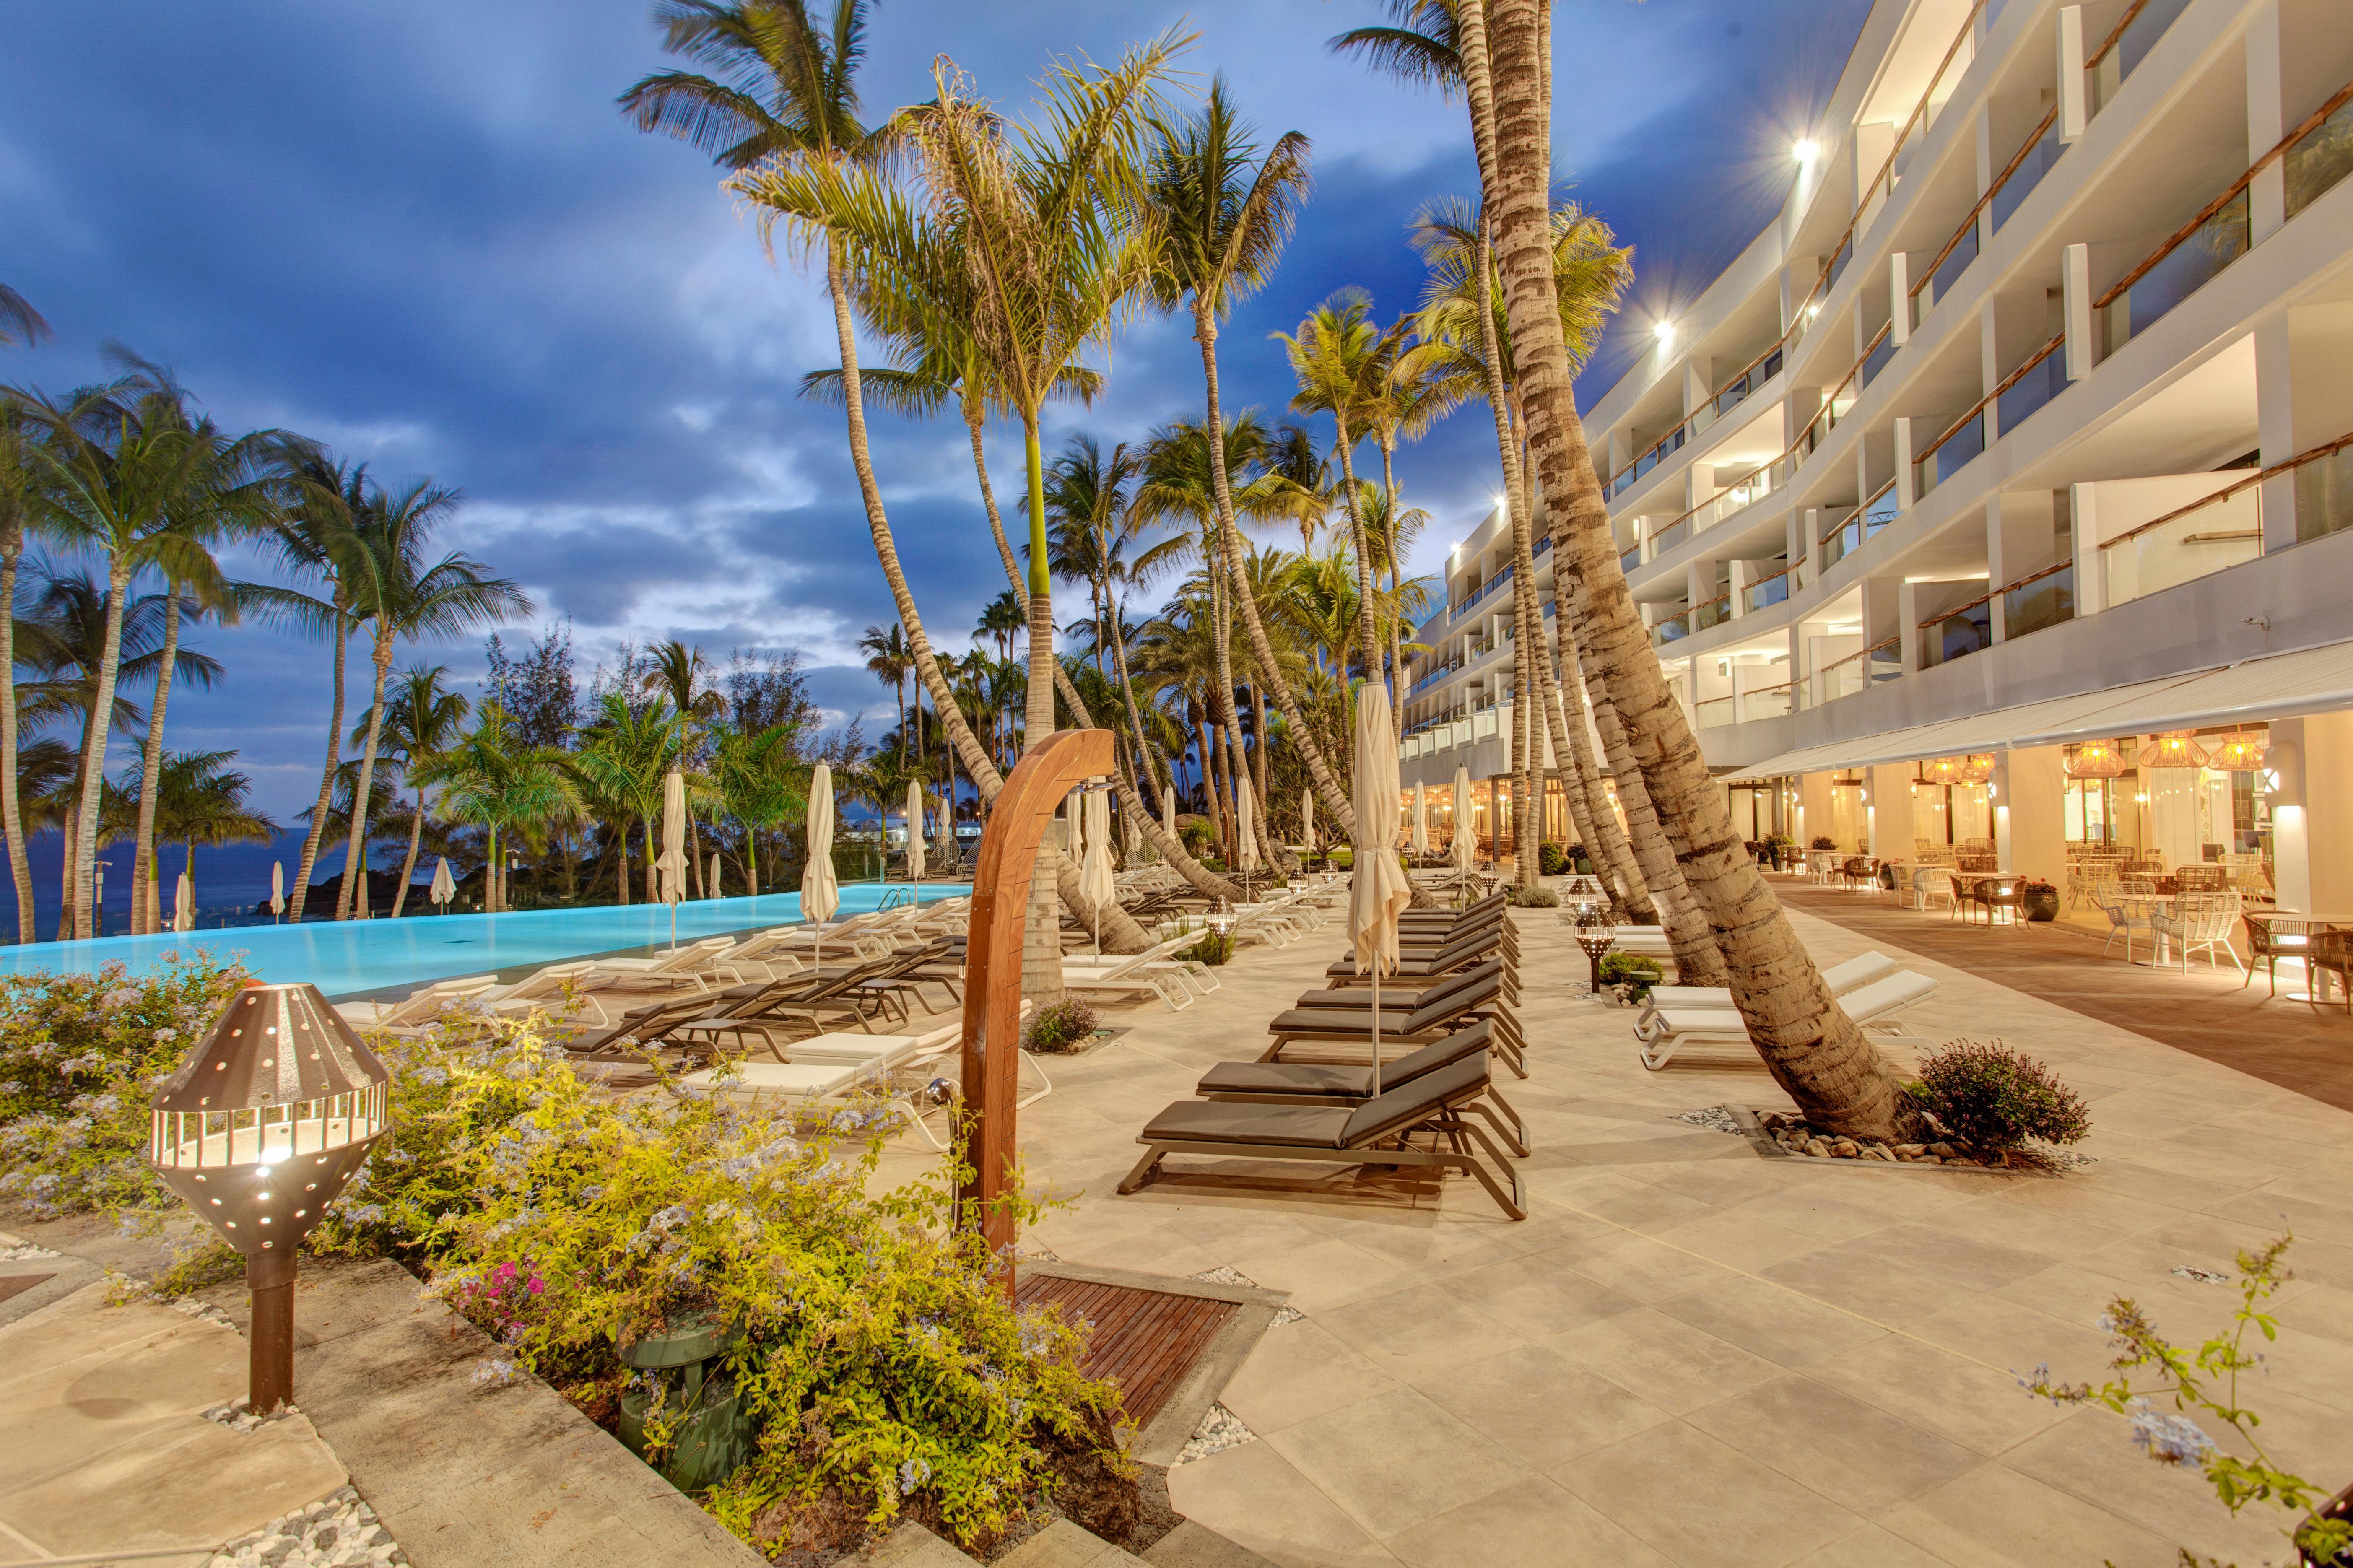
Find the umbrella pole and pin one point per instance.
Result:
(1377, 1025)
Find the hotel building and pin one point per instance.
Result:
(2001, 489)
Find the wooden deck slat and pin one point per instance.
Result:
(1143, 1341)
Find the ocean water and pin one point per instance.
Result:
(346, 957)
(230, 881)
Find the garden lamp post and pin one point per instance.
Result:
(1596, 939)
(260, 1128)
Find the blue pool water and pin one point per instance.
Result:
(344, 957)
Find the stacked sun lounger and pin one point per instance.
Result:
(1871, 989)
(1411, 1084)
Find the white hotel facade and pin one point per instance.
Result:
(2009, 447)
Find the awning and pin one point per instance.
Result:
(2281, 686)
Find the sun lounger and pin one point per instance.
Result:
(546, 989)
(1437, 1012)
(1842, 978)
(635, 1032)
(689, 968)
(1374, 1133)
(1154, 971)
(1335, 1083)
(418, 1008)
(1875, 1007)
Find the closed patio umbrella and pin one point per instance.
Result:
(1420, 820)
(1246, 828)
(672, 867)
(184, 904)
(1307, 821)
(1464, 850)
(444, 886)
(915, 831)
(1377, 888)
(1169, 811)
(713, 883)
(944, 833)
(820, 892)
(276, 887)
(1095, 879)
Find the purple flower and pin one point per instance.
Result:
(2169, 1439)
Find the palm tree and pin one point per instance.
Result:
(197, 800)
(1342, 361)
(18, 520)
(399, 597)
(111, 468)
(1814, 1051)
(19, 322)
(1222, 215)
(624, 756)
(887, 660)
(683, 674)
(421, 718)
(757, 781)
(513, 790)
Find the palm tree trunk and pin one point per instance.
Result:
(621, 847)
(1388, 441)
(408, 866)
(93, 763)
(1040, 609)
(1327, 788)
(12, 814)
(151, 771)
(1839, 1080)
(326, 778)
(1346, 447)
(1696, 952)
(653, 890)
(1120, 931)
(65, 881)
(354, 903)
(1597, 825)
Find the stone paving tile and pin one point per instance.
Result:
(1690, 1354)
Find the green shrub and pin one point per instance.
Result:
(1342, 857)
(1632, 969)
(882, 1366)
(1994, 1100)
(1820, 842)
(1212, 949)
(80, 1055)
(1534, 899)
(1551, 858)
(1059, 1026)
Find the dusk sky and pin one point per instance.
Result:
(421, 233)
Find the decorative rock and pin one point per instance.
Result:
(338, 1532)
(1942, 1151)
(1911, 1151)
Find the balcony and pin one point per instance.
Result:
(2127, 43)
(1876, 512)
(1962, 443)
(1744, 707)
(1674, 629)
(2043, 599)
(2178, 269)
(1956, 634)
(1720, 401)
(2189, 542)
(2025, 391)
(1766, 592)
(1856, 673)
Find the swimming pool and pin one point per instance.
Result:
(344, 957)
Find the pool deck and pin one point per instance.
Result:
(1690, 1354)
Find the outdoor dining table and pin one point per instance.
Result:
(2313, 926)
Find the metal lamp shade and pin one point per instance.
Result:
(265, 1123)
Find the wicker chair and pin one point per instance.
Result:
(2124, 918)
(2201, 878)
(2332, 952)
(2200, 920)
(1997, 893)
(1930, 885)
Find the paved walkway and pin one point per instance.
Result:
(1689, 1355)
(2207, 1012)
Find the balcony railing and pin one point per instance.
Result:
(1720, 401)
(1767, 590)
(1715, 613)
(1713, 712)
(2026, 169)
(1956, 633)
(1855, 672)
(2127, 43)
(1961, 444)
(2320, 157)
(1630, 557)
(1674, 629)
(2219, 233)
(1847, 536)
(1937, 279)
(1767, 702)
(2026, 389)
(2039, 599)
(2221, 530)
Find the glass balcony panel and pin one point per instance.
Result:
(1958, 450)
(1715, 711)
(1956, 635)
(2139, 36)
(1769, 702)
(2324, 496)
(1669, 538)
(2218, 242)
(1773, 590)
(1715, 613)
(2027, 175)
(2045, 602)
(1629, 558)
(1672, 629)
(2196, 544)
(1941, 281)
(2021, 400)
(1876, 361)
(2322, 158)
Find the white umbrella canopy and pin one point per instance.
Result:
(1246, 823)
(1420, 820)
(1095, 879)
(184, 904)
(1169, 811)
(1377, 888)
(820, 891)
(444, 886)
(1464, 850)
(1307, 820)
(711, 885)
(944, 834)
(915, 831)
(671, 886)
(278, 887)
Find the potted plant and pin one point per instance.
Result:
(1822, 841)
(2039, 901)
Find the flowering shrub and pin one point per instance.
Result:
(1059, 1026)
(80, 1055)
(1994, 1100)
(881, 1363)
(2150, 1368)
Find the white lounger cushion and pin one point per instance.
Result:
(1664, 1030)
(1842, 978)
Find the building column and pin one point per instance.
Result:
(1891, 811)
(2312, 824)
(1814, 818)
(2031, 812)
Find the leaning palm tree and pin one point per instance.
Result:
(1813, 1049)
(1222, 213)
(1342, 361)
(399, 597)
(421, 718)
(19, 322)
(111, 468)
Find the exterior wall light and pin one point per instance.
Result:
(1665, 332)
(261, 1128)
(1805, 152)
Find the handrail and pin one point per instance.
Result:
(1708, 403)
(2115, 33)
(1784, 572)
(2017, 161)
(1798, 313)
(1990, 597)
(2227, 491)
(1860, 507)
(1865, 653)
(2231, 192)
(1982, 404)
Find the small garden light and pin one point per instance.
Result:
(260, 1128)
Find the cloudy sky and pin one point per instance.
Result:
(420, 232)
